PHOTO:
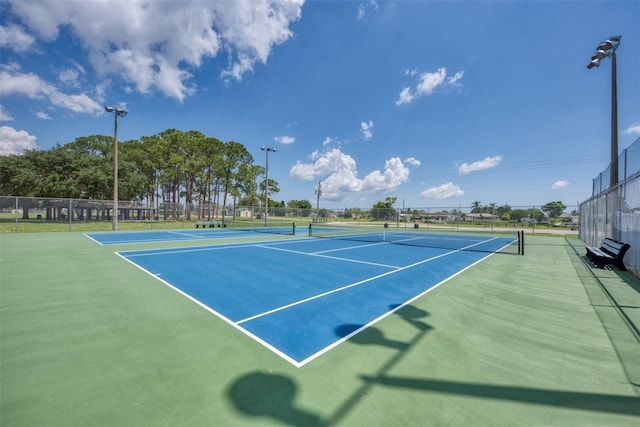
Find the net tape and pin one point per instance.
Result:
(271, 227)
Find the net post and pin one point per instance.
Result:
(519, 243)
(309, 229)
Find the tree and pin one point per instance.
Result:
(97, 145)
(302, 207)
(193, 148)
(147, 155)
(234, 155)
(353, 213)
(212, 156)
(554, 209)
(476, 207)
(132, 185)
(503, 210)
(271, 188)
(171, 170)
(491, 208)
(384, 210)
(246, 184)
(19, 175)
(180, 165)
(526, 215)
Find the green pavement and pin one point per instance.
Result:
(87, 339)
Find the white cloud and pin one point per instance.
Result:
(15, 38)
(365, 130)
(430, 81)
(341, 175)
(444, 191)
(324, 163)
(634, 128)
(427, 84)
(284, 139)
(43, 116)
(405, 96)
(560, 184)
(14, 141)
(156, 45)
(69, 77)
(12, 82)
(395, 173)
(362, 8)
(412, 161)
(453, 80)
(487, 163)
(5, 116)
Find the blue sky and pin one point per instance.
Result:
(439, 104)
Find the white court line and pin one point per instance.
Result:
(376, 320)
(361, 282)
(350, 248)
(214, 247)
(89, 237)
(320, 255)
(266, 344)
(187, 235)
(211, 310)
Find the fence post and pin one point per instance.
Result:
(17, 210)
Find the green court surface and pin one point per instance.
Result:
(88, 339)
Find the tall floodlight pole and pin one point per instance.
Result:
(117, 112)
(266, 181)
(607, 49)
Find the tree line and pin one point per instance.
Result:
(385, 210)
(173, 165)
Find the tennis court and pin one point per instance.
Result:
(302, 297)
(89, 338)
(236, 230)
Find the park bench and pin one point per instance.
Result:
(610, 252)
(210, 224)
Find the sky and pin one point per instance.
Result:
(438, 104)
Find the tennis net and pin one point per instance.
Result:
(271, 227)
(508, 243)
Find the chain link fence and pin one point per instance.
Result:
(614, 212)
(33, 214)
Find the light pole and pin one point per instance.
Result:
(607, 49)
(266, 181)
(117, 112)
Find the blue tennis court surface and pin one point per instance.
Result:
(124, 237)
(301, 298)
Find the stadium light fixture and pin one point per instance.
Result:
(118, 112)
(266, 181)
(607, 49)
